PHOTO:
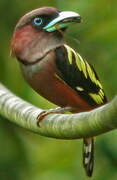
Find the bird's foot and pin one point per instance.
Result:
(43, 114)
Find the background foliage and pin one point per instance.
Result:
(27, 156)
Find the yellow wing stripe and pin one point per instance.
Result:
(101, 93)
(78, 62)
(69, 52)
(92, 76)
(58, 77)
(83, 66)
(96, 98)
(99, 84)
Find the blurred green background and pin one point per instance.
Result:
(27, 156)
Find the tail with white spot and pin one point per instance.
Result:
(88, 156)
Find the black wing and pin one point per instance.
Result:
(79, 75)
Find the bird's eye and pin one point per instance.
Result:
(37, 21)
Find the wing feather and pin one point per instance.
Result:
(77, 73)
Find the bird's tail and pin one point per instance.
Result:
(88, 155)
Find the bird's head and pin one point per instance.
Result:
(40, 31)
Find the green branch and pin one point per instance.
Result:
(61, 126)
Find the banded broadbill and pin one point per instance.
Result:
(55, 70)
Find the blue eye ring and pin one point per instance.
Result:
(37, 21)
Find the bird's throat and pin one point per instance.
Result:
(26, 63)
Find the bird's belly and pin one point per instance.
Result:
(41, 77)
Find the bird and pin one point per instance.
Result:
(55, 70)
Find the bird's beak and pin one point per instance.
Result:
(64, 19)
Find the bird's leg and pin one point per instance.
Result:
(43, 114)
